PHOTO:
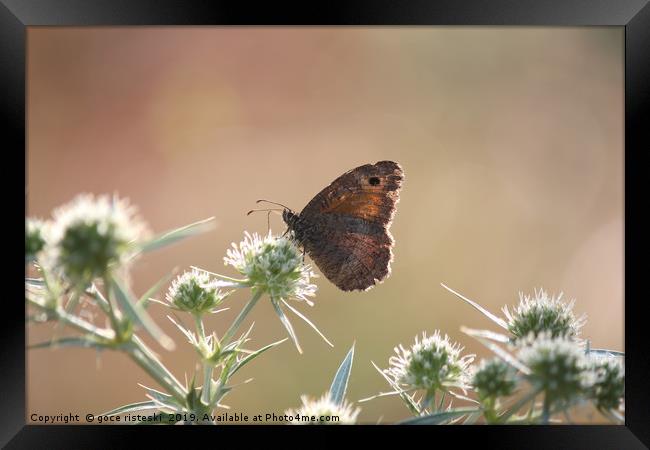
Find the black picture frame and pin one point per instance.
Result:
(633, 15)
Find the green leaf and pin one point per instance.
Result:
(499, 321)
(162, 399)
(139, 406)
(518, 405)
(138, 314)
(438, 418)
(299, 314)
(487, 334)
(472, 418)
(70, 342)
(340, 382)
(252, 356)
(178, 234)
(287, 324)
(501, 353)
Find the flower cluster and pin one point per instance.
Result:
(432, 363)
(543, 314)
(608, 384)
(494, 378)
(35, 237)
(558, 366)
(194, 292)
(323, 411)
(89, 237)
(542, 356)
(272, 264)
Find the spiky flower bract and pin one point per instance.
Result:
(195, 292)
(91, 236)
(323, 411)
(273, 264)
(558, 366)
(543, 314)
(494, 378)
(432, 363)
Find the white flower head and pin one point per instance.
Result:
(493, 378)
(36, 235)
(541, 313)
(431, 363)
(607, 382)
(194, 292)
(274, 264)
(558, 366)
(323, 411)
(93, 235)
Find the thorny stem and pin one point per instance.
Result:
(111, 311)
(135, 348)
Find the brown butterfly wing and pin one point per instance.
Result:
(348, 225)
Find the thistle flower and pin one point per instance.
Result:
(558, 366)
(430, 364)
(323, 412)
(35, 237)
(273, 264)
(92, 236)
(194, 292)
(608, 385)
(494, 378)
(543, 314)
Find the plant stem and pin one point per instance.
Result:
(111, 312)
(134, 348)
(532, 408)
(207, 383)
(74, 321)
(200, 329)
(442, 401)
(429, 401)
(489, 411)
(546, 411)
(240, 318)
(207, 368)
(141, 354)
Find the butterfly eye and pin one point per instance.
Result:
(374, 181)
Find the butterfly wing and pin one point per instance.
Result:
(347, 225)
(369, 192)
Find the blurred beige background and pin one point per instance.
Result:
(511, 140)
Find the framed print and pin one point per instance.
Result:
(370, 216)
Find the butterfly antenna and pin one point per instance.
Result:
(273, 203)
(265, 210)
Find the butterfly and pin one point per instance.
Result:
(345, 227)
